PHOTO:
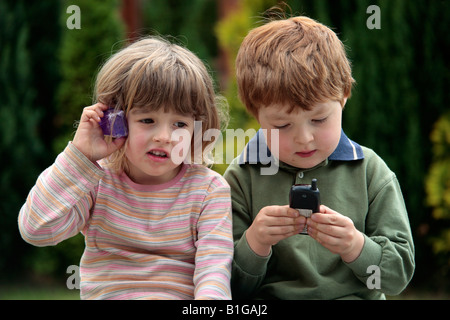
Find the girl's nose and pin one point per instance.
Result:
(164, 135)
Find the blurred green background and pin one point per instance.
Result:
(399, 107)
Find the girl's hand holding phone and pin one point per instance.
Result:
(89, 138)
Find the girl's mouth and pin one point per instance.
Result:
(158, 155)
(161, 154)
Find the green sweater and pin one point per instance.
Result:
(353, 181)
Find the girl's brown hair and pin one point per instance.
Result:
(155, 74)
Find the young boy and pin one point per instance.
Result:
(294, 78)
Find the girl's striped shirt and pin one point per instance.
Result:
(169, 241)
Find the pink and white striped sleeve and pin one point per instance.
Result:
(57, 207)
(215, 244)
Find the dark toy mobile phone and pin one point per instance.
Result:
(305, 198)
(114, 123)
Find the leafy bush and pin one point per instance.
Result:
(438, 184)
(81, 53)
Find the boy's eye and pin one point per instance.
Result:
(147, 121)
(320, 120)
(281, 126)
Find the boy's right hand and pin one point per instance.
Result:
(271, 225)
(89, 137)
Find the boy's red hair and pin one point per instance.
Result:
(297, 62)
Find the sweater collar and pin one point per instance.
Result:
(257, 152)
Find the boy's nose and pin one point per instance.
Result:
(303, 136)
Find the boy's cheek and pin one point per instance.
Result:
(268, 134)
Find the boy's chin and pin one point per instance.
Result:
(304, 163)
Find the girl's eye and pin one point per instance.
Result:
(180, 124)
(319, 121)
(147, 121)
(282, 126)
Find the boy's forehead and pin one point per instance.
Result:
(279, 111)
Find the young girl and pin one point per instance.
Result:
(155, 228)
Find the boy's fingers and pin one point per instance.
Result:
(285, 211)
(332, 224)
(326, 210)
(323, 218)
(289, 221)
(277, 211)
(326, 216)
(282, 230)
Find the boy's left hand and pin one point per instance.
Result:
(336, 232)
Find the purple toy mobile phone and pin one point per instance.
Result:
(114, 123)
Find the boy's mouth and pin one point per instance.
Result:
(306, 154)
